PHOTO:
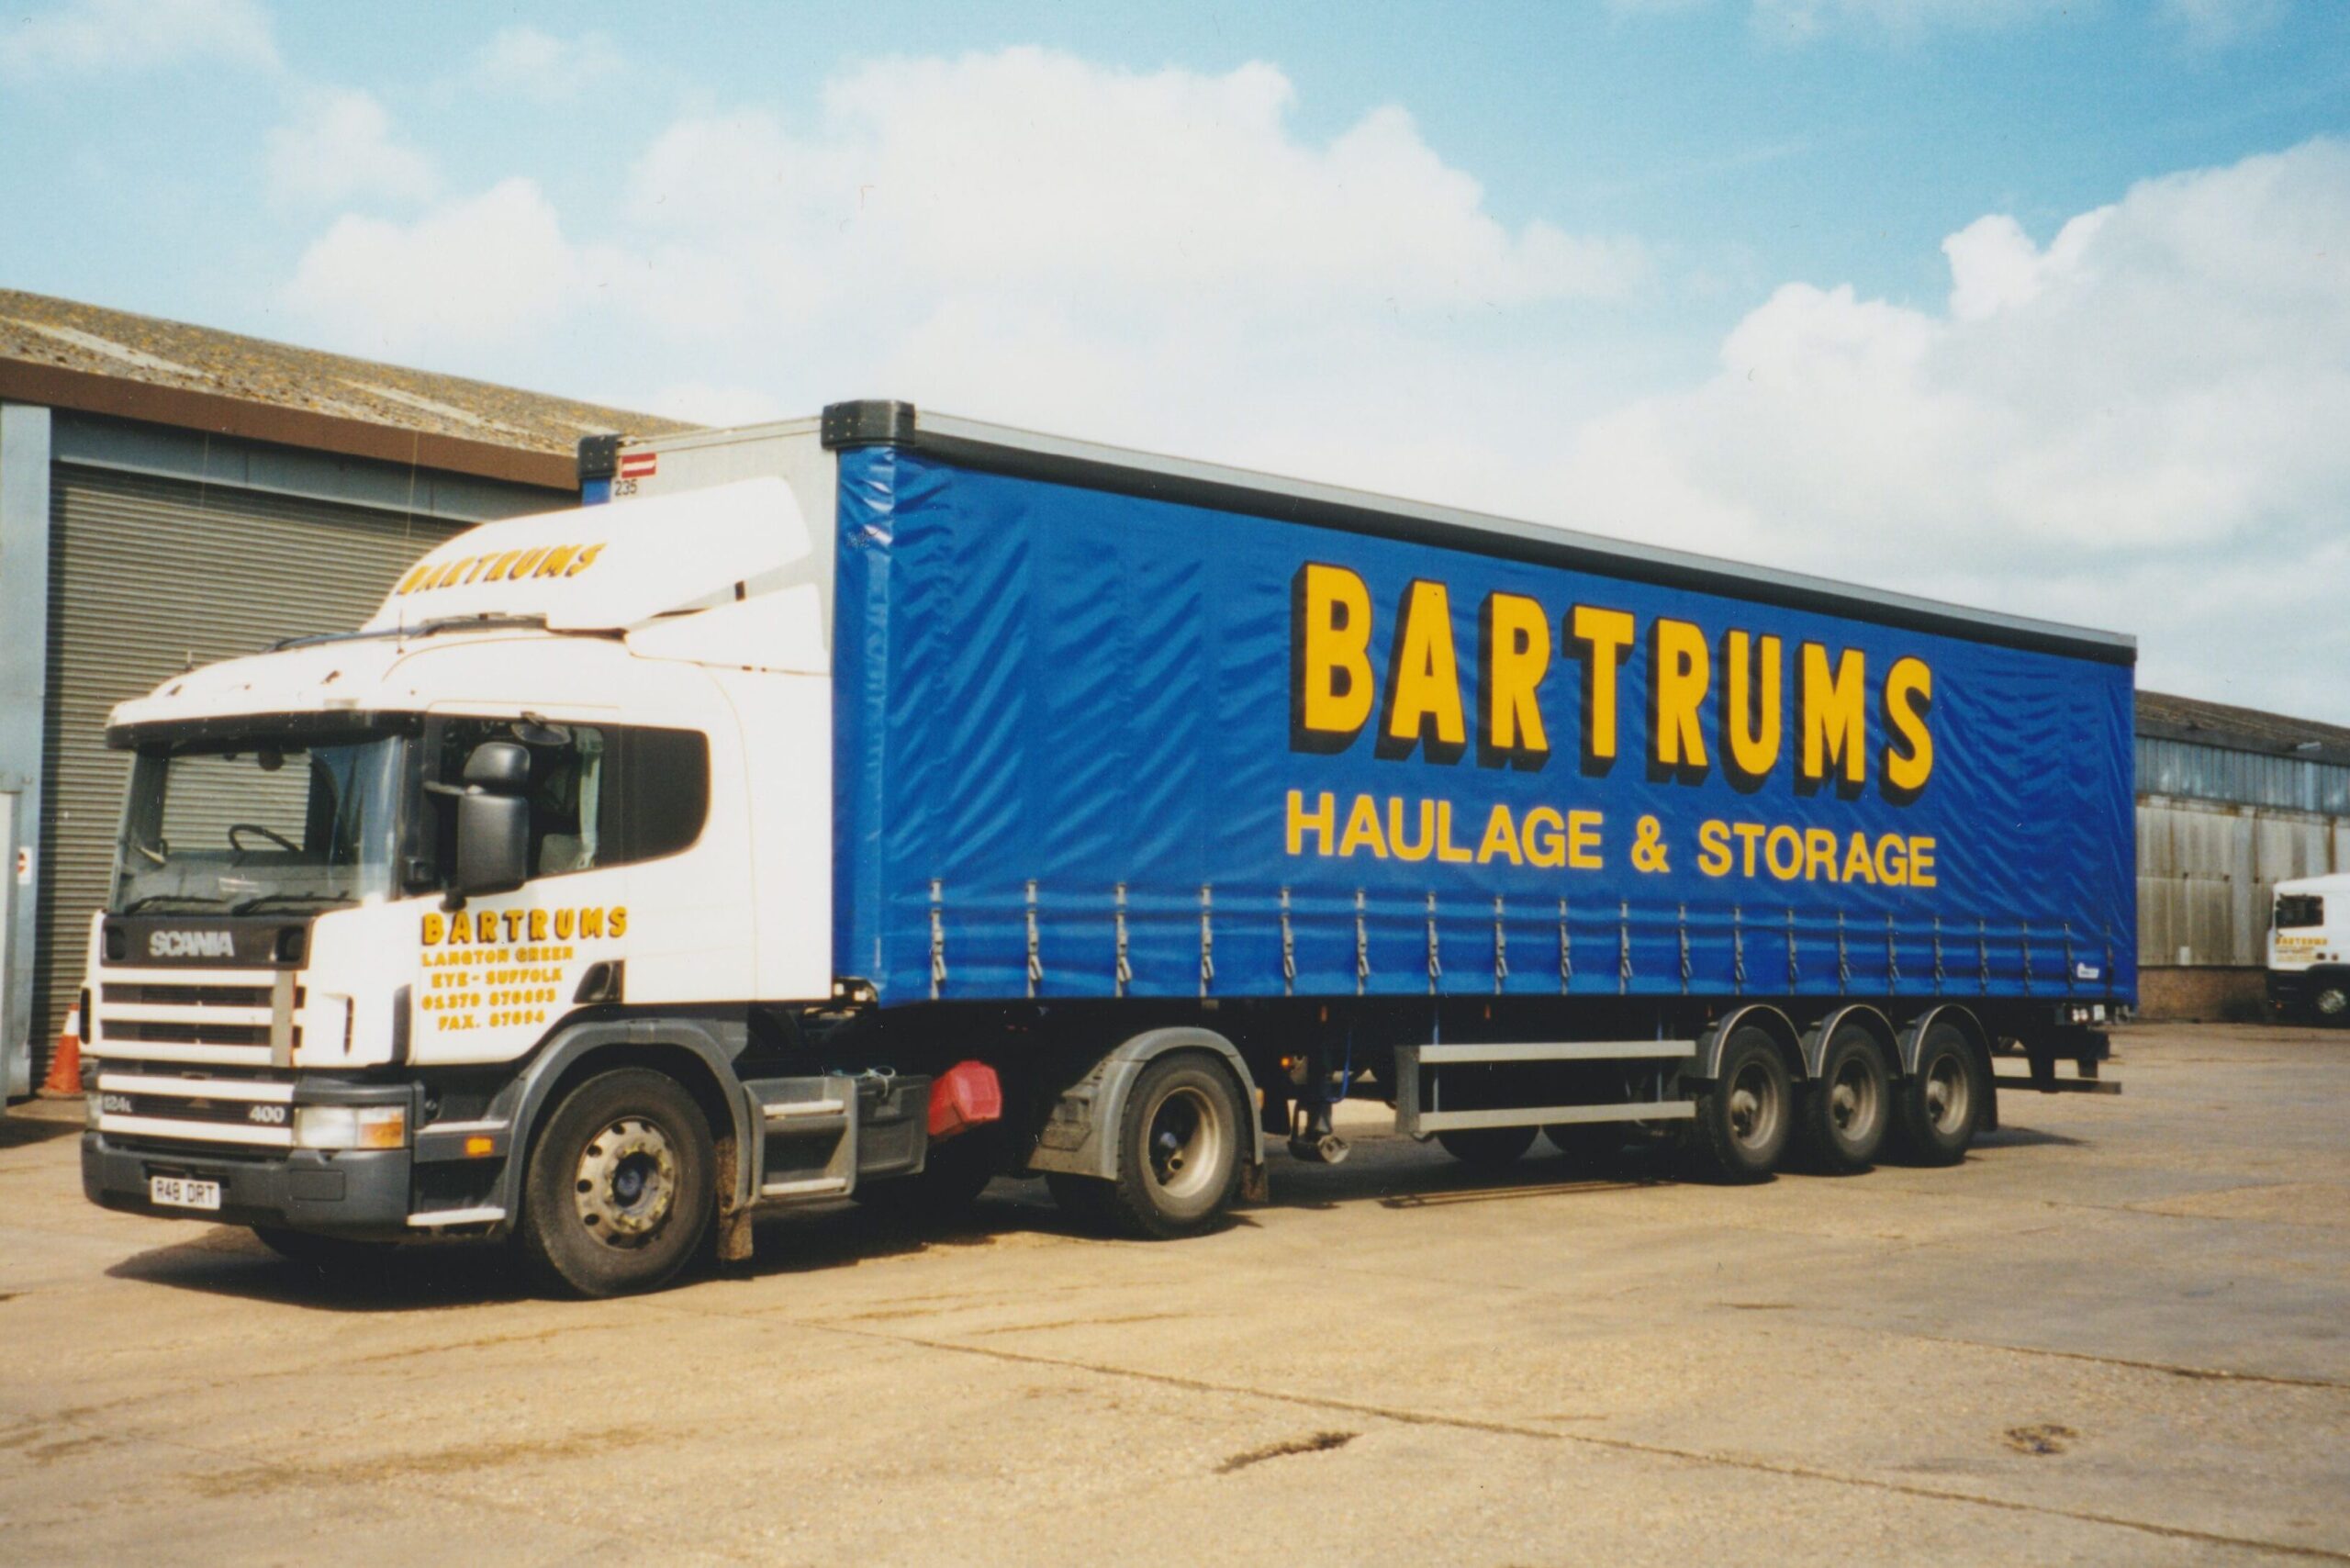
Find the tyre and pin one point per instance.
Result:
(619, 1188)
(1848, 1111)
(2329, 1006)
(1940, 1106)
(951, 1180)
(1489, 1149)
(332, 1255)
(1745, 1118)
(1180, 1148)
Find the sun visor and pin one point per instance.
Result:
(607, 568)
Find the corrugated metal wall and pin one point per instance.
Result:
(2207, 874)
(2242, 778)
(147, 575)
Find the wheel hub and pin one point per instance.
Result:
(1185, 1141)
(1852, 1099)
(1946, 1094)
(1753, 1109)
(627, 1181)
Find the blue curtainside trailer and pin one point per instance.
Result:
(1182, 802)
(1252, 756)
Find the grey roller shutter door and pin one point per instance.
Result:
(146, 576)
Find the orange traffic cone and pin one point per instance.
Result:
(64, 1080)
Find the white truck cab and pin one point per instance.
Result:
(360, 875)
(2309, 950)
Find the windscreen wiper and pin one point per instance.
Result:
(254, 902)
(135, 905)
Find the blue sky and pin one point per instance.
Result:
(2035, 305)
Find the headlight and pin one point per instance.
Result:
(350, 1126)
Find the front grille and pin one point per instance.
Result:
(149, 1110)
(177, 1034)
(185, 995)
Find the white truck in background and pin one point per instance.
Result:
(2309, 951)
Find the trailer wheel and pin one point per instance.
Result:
(1486, 1149)
(619, 1190)
(338, 1257)
(1848, 1111)
(1179, 1149)
(1940, 1106)
(1744, 1120)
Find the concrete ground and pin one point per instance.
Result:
(2115, 1335)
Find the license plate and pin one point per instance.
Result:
(182, 1193)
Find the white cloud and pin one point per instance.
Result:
(339, 146)
(1032, 168)
(527, 63)
(2140, 425)
(492, 268)
(1026, 235)
(86, 36)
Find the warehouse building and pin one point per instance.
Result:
(171, 496)
(2230, 801)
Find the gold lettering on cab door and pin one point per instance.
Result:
(494, 969)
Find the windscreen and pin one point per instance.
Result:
(2299, 911)
(235, 827)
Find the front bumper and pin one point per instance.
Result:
(362, 1194)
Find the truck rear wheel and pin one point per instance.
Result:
(1744, 1119)
(1848, 1111)
(619, 1186)
(1179, 1149)
(1940, 1105)
(1489, 1149)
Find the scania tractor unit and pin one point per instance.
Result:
(872, 805)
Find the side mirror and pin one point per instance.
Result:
(493, 842)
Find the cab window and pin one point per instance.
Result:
(600, 796)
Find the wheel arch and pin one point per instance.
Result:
(1880, 1028)
(1080, 1137)
(683, 1049)
(1754, 1015)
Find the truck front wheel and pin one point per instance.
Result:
(619, 1189)
(2329, 1003)
(1180, 1150)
